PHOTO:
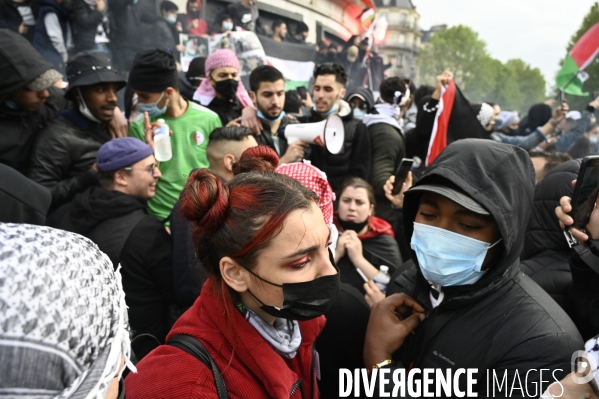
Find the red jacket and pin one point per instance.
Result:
(254, 370)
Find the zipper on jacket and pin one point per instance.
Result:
(294, 388)
(313, 369)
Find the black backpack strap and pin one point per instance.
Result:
(196, 349)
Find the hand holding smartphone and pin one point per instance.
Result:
(400, 175)
(585, 192)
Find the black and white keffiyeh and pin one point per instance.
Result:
(63, 318)
(485, 114)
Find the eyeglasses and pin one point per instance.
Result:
(150, 169)
(93, 68)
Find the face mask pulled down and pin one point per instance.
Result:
(152, 108)
(304, 301)
(446, 258)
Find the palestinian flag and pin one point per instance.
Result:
(572, 76)
(294, 60)
(367, 17)
(455, 120)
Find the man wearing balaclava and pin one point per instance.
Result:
(472, 308)
(155, 80)
(66, 149)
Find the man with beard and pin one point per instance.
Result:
(221, 91)
(268, 93)
(354, 159)
(66, 149)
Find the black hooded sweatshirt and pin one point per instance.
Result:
(20, 63)
(504, 321)
(106, 217)
(546, 254)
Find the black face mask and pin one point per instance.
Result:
(307, 300)
(194, 14)
(349, 225)
(227, 88)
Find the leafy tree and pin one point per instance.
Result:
(458, 49)
(591, 85)
(513, 85)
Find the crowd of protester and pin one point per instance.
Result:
(245, 264)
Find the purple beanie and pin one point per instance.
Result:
(120, 153)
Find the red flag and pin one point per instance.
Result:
(438, 140)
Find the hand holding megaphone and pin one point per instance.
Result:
(328, 133)
(295, 152)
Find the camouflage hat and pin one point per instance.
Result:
(45, 80)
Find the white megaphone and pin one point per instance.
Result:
(328, 133)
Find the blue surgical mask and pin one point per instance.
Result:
(359, 114)
(228, 25)
(171, 18)
(446, 258)
(262, 116)
(152, 108)
(333, 109)
(594, 139)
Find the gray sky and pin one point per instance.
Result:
(537, 31)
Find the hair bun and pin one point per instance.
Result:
(260, 158)
(205, 200)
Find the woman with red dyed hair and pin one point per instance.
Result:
(264, 241)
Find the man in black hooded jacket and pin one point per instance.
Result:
(477, 310)
(28, 100)
(546, 254)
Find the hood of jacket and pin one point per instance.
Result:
(20, 63)
(498, 176)
(373, 119)
(364, 93)
(97, 204)
(543, 232)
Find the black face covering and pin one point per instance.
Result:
(304, 301)
(349, 225)
(227, 88)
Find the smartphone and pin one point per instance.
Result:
(402, 172)
(585, 192)
(560, 98)
(302, 92)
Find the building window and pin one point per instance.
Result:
(402, 18)
(400, 60)
(401, 39)
(386, 3)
